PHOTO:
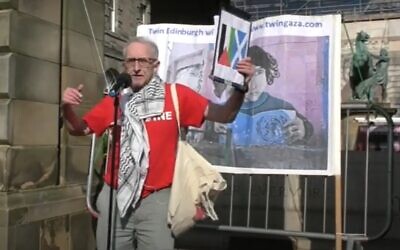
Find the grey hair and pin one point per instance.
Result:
(143, 40)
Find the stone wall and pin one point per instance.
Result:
(45, 46)
(128, 15)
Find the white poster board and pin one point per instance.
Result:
(232, 42)
(290, 120)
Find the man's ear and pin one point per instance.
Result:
(156, 67)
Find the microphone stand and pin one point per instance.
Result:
(111, 206)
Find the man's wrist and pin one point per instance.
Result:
(65, 105)
(242, 89)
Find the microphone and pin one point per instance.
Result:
(123, 81)
(111, 79)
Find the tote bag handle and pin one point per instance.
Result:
(175, 101)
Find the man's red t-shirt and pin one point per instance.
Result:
(162, 133)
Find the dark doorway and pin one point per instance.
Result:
(185, 12)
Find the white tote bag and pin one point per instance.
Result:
(195, 187)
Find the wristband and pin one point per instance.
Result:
(242, 89)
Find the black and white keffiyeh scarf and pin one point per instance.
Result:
(134, 155)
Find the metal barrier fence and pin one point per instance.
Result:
(353, 208)
(350, 209)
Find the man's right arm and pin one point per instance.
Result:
(75, 125)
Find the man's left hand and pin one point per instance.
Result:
(247, 68)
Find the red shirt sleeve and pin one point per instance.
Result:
(101, 116)
(192, 106)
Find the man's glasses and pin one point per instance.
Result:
(141, 61)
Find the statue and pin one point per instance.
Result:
(381, 70)
(364, 75)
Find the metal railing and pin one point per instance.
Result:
(304, 206)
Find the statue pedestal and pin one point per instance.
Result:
(362, 117)
(360, 106)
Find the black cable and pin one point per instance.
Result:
(113, 156)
